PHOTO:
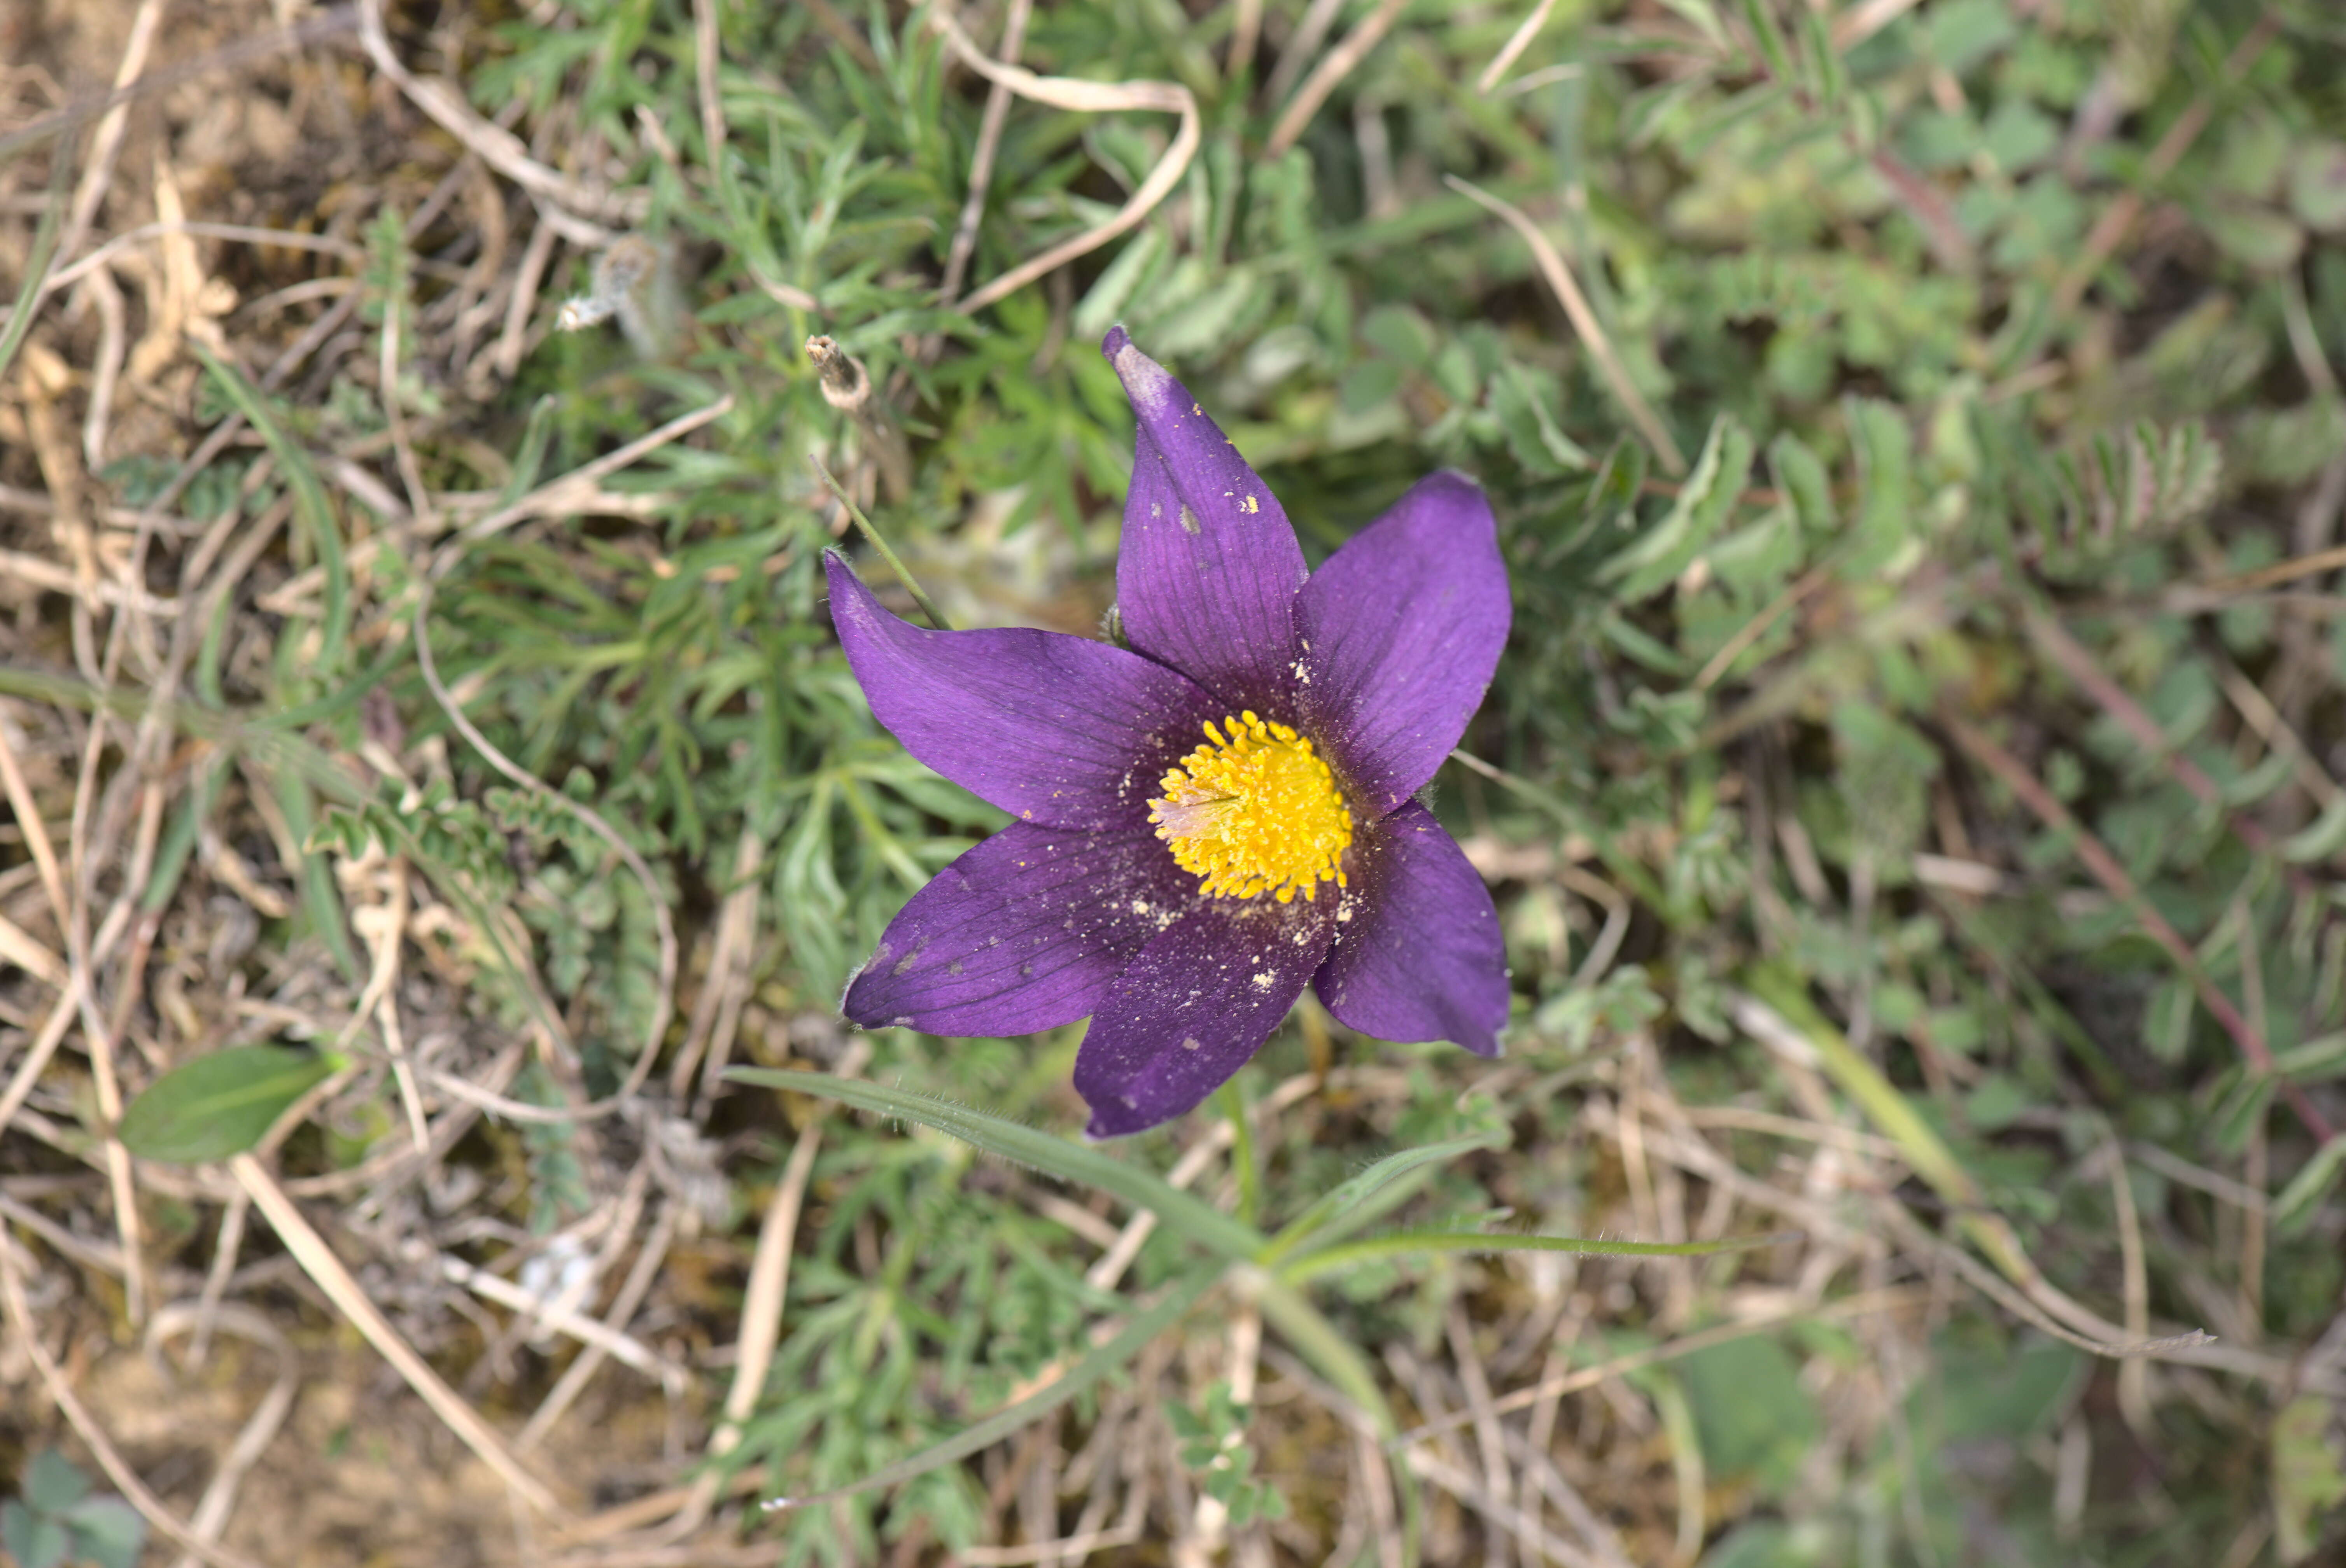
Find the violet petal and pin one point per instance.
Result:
(1207, 573)
(1023, 933)
(1417, 954)
(1054, 729)
(1401, 631)
(1198, 1001)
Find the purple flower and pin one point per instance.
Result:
(1218, 816)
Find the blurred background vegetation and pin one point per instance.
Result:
(1911, 791)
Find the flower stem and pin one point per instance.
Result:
(1242, 1160)
(936, 616)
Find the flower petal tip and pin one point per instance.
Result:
(1146, 382)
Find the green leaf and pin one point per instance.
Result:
(1118, 282)
(1760, 17)
(2320, 839)
(2294, 1208)
(108, 1530)
(1704, 503)
(2308, 1479)
(2317, 185)
(34, 1540)
(1189, 1217)
(1885, 512)
(1801, 477)
(220, 1104)
(52, 1482)
(1755, 1419)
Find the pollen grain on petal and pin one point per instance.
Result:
(1254, 811)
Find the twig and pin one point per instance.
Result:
(912, 583)
(2113, 876)
(1334, 67)
(1584, 322)
(1083, 97)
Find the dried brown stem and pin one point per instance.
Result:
(1559, 278)
(2106, 871)
(1083, 97)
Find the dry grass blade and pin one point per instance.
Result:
(632, 1291)
(1334, 67)
(328, 1272)
(1584, 322)
(309, 30)
(571, 491)
(1498, 1514)
(107, 143)
(1870, 1302)
(1083, 97)
(2118, 218)
(578, 211)
(1511, 50)
(981, 159)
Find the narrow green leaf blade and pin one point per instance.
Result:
(220, 1104)
(1403, 1243)
(1195, 1220)
(1704, 504)
(310, 502)
(1324, 1215)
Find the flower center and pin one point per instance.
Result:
(1254, 813)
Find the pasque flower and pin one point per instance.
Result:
(1218, 815)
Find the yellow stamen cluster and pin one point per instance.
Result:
(1255, 811)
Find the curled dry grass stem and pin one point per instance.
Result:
(981, 160)
(1083, 97)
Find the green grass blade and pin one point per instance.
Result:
(1097, 1364)
(1402, 1243)
(1187, 1216)
(310, 502)
(1323, 1218)
(37, 262)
